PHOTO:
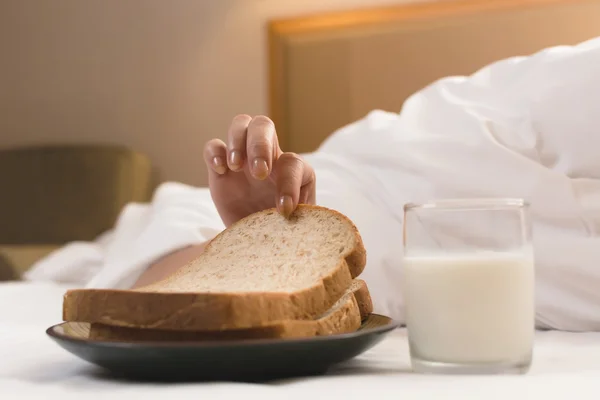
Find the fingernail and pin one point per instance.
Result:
(219, 165)
(260, 168)
(235, 159)
(286, 205)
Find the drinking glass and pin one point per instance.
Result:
(469, 286)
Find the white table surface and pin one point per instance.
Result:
(566, 366)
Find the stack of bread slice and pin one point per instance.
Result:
(264, 277)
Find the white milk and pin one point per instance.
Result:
(476, 308)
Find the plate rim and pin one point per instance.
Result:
(390, 326)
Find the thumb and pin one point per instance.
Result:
(294, 180)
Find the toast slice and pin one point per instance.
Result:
(263, 269)
(345, 316)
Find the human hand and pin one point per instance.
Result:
(251, 173)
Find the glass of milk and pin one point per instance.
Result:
(469, 286)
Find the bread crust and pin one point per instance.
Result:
(182, 311)
(363, 299)
(345, 319)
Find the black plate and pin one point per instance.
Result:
(248, 360)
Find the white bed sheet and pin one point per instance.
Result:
(566, 365)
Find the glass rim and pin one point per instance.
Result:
(467, 204)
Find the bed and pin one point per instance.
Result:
(329, 70)
(566, 365)
(325, 71)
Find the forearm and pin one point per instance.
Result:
(169, 264)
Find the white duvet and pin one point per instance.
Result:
(524, 127)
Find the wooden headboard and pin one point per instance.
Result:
(329, 70)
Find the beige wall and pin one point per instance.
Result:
(159, 76)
